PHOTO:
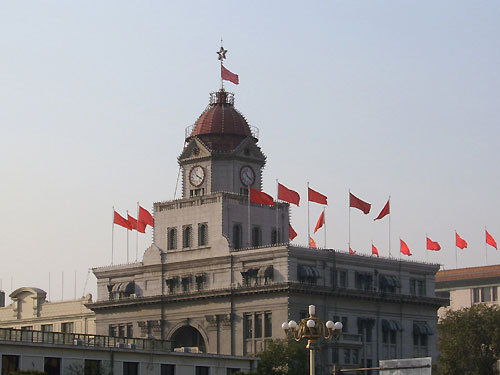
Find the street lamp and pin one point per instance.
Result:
(312, 328)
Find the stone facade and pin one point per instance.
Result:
(31, 311)
(222, 276)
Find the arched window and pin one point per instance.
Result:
(256, 237)
(186, 237)
(237, 236)
(172, 239)
(202, 234)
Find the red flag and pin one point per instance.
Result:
(119, 220)
(291, 233)
(314, 196)
(260, 197)
(321, 221)
(490, 240)
(229, 76)
(385, 211)
(404, 248)
(355, 202)
(135, 225)
(288, 195)
(145, 218)
(459, 242)
(312, 244)
(351, 251)
(374, 250)
(432, 245)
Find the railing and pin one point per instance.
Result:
(253, 130)
(80, 339)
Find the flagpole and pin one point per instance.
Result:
(248, 219)
(486, 245)
(426, 250)
(221, 79)
(308, 224)
(390, 214)
(324, 219)
(456, 250)
(277, 214)
(127, 240)
(137, 235)
(112, 234)
(349, 218)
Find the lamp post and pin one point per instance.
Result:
(312, 329)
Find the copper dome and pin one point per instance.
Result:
(221, 127)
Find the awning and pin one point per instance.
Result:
(422, 328)
(252, 272)
(127, 287)
(390, 280)
(308, 271)
(391, 325)
(266, 272)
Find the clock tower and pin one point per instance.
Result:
(221, 152)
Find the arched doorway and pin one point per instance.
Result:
(188, 336)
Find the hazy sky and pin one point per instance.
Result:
(396, 98)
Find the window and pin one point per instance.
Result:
(200, 282)
(421, 331)
(202, 234)
(335, 355)
(417, 287)
(343, 279)
(92, 367)
(247, 326)
(196, 192)
(485, 294)
(112, 331)
(268, 324)
(365, 327)
(256, 236)
(347, 356)
(364, 281)
(307, 274)
(258, 326)
(52, 366)
(130, 368)
(275, 236)
(172, 238)
(10, 364)
(47, 327)
(172, 284)
(167, 369)
(27, 328)
(186, 283)
(344, 322)
(244, 192)
(130, 330)
(202, 370)
(186, 236)
(67, 327)
(121, 330)
(237, 234)
(389, 283)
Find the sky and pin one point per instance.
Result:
(382, 98)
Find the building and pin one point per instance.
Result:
(222, 276)
(30, 310)
(467, 286)
(58, 353)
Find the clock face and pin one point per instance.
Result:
(247, 175)
(197, 175)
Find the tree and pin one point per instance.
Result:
(284, 358)
(469, 341)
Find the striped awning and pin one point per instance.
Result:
(308, 271)
(422, 328)
(390, 280)
(391, 325)
(125, 287)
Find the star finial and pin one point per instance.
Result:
(222, 53)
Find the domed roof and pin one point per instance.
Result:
(221, 127)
